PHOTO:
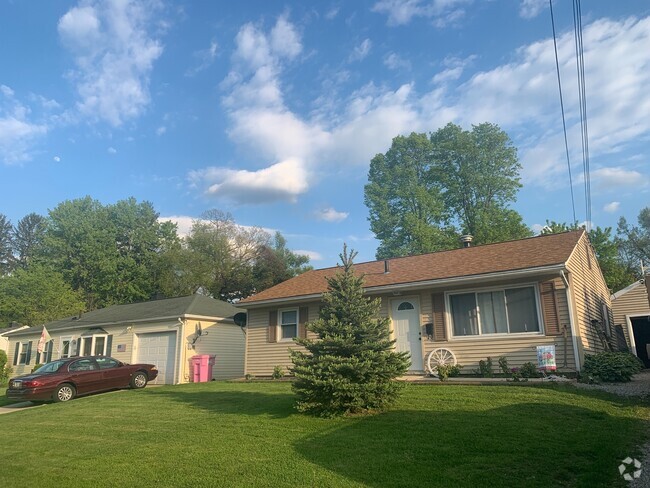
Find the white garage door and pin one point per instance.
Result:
(158, 348)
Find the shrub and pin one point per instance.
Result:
(515, 374)
(278, 372)
(249, 377)
(503, 364)
(528, 370)
(485, 368)
(448, 370)
(612, 366)
(5, 371)
(352, 366)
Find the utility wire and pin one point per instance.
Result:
(559, 85)
(582, 97)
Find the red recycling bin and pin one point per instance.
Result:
(202, 367)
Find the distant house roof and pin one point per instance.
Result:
(193, 305)
(627, 289)
(12, 328)
(524, 254)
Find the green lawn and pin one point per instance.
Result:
(247, 434)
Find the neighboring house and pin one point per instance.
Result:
(161, 332)
(494, 300)
(4, 335)
(631, 310)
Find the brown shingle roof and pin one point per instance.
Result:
(534, 252)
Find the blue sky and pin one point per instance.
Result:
(273, 110)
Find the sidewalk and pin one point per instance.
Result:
(15, 407)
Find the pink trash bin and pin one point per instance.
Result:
(202, 367)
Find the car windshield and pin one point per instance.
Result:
(52, 367)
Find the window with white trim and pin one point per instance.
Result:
(496, 311)
(42, 357)
(66, 347)
(288, 323)
(22, 353)
(94, 345)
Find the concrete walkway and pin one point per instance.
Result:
(16, 407)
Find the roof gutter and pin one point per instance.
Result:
(459, 280)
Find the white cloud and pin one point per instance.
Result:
(394, 61)
(312, 255)
(520, 96)
(114, 53)
(161, 130)
(329, 214)
(56, 159)
(617, 177)
(18, 130)
(537, 228)
(332, 13)
(112, 150)
(441, 12)
(204, 59)
(283, 181)
(612, 207)
(361, 51)
(531, 8)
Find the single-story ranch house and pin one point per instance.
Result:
(166, 332)
(631, 309)
(493, 300)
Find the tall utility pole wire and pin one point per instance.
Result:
(559, 85)
(580, 64)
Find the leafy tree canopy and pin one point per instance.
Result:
(635, 240)
(426, 191)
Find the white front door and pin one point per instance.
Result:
(406, 325)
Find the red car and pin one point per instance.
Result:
(64, 379)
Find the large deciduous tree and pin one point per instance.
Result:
(227, 261)
(428, 190)
(352, 366)
(105, 252)
(635, 240)
(37, 295)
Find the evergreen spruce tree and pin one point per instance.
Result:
(352, 366)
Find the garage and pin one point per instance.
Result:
(158, 348)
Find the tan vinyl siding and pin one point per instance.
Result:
(589, 294)
(227, 343)
(518, 349)
(261, 355)
(23, 368)
(634, 302)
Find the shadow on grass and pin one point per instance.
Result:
(275, 405)
(527, 444)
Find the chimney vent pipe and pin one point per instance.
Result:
(466, 240)
(386, 266)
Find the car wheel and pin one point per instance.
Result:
(64, 393)
(139, 380)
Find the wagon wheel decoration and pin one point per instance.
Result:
(439, 357)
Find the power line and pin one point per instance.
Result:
(582, 97)
(559, 85)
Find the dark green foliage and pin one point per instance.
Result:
(37, 295)
(446, 371)
(503, 365)
(485, 368)
(278, 372)
(528, 370)
(612, 366)
(634, 241)
(6, 246)
(28, 239)
(428, 190)
(5, 371)
(352, 366)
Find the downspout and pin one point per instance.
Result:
(180, 343)
(574, 338)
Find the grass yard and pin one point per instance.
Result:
(247, 434)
